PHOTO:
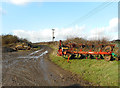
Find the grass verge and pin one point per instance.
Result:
(96, 71)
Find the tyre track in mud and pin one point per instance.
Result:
(30, 68)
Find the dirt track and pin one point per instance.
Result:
(34, 68)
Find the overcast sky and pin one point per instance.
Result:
(35, 20)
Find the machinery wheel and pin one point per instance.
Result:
(107, 58)
(108, 48)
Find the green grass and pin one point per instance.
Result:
(96, 71)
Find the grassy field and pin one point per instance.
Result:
(96, 71)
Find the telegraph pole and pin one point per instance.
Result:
(53, 37)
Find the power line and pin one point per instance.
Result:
(91, 13)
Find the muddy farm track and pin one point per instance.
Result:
(34, 68)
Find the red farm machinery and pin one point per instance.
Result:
(87, 51)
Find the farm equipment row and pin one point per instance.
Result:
(101, 51)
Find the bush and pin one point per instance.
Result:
(12, 39)
(78, 40)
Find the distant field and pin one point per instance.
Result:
(96, 71)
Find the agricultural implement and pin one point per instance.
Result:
(101, 51)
